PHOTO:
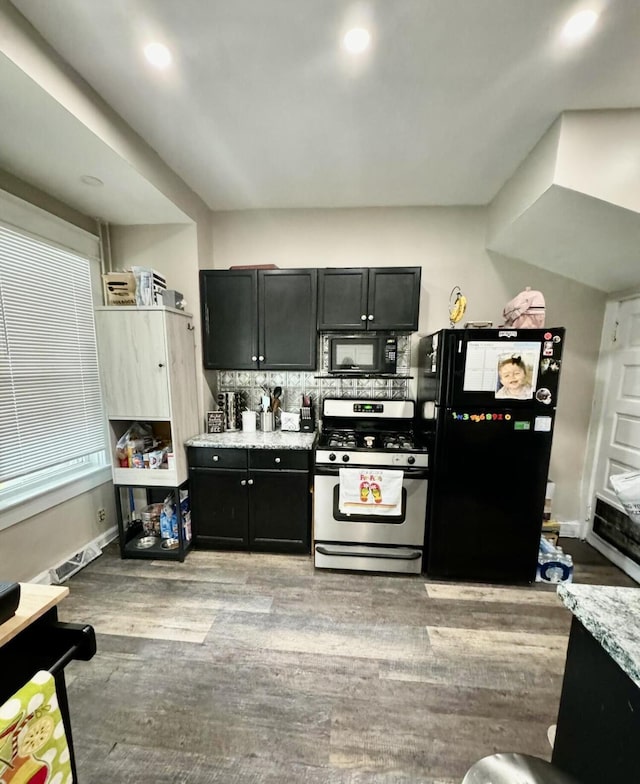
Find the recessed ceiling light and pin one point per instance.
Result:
(357, 40)
(579, 25)
(158, 55)
(94, 182)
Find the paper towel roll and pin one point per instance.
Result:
(249, 421)
(429, 409)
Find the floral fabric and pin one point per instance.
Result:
(33, 744)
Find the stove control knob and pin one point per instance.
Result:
(411, 460)
(332, 457)
(345, 458)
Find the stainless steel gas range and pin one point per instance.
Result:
(370, 487)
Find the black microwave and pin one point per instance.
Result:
(362, 354)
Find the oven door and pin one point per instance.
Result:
(330, 525)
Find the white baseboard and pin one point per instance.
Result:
(100, 541)
(572, 529)
(627, 565)
(107, 536)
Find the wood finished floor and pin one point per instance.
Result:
(240, 668)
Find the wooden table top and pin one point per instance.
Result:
(35, 600)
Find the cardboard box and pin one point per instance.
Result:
(546, 513)
(119, 288)
(551, 530)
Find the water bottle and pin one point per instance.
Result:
(555, 567)
(567, 561)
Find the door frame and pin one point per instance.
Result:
(588, 492)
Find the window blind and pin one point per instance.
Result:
(50, 402)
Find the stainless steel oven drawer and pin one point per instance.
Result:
(359, 557)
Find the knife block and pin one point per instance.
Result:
(307, 422)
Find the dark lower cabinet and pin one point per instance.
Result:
(599, 715)
(219, 510)
(279, 511)
(250, 499)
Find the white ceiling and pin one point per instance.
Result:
(262, 109)
(47, 147)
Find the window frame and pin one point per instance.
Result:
(21, 216)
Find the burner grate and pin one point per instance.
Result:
(395, 441)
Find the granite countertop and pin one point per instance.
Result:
(240, 439)
(612, 615)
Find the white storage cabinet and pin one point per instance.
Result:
(148, 374)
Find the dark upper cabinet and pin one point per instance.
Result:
(259, 319)
(377, 298)
(342, 299)
(287, 309)
(229, 302)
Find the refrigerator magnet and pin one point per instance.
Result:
(542, 424)
(543, 395)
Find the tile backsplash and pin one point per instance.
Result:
(318, 384)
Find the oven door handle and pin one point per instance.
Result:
(412, 556)
(409, 473)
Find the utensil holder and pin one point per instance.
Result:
(266, 421)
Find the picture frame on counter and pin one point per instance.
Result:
(215, 421)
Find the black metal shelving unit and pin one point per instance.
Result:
(131, 534)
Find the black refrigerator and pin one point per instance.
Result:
(487, 398)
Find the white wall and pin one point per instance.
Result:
(598, 155)
(172, 250)
(46, 539)
(449, 245)
(35, 196)
(531, 179)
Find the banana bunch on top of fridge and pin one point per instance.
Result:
(457, 305)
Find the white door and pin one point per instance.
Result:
(618, 449)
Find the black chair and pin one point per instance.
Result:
(521, 768)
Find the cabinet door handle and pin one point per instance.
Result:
(370, 317)
(160, 364)
(216, 458)
(363, 317)
(243, 482)
(277, 459)
(261, 358)
(254, 358)
(250, 481)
